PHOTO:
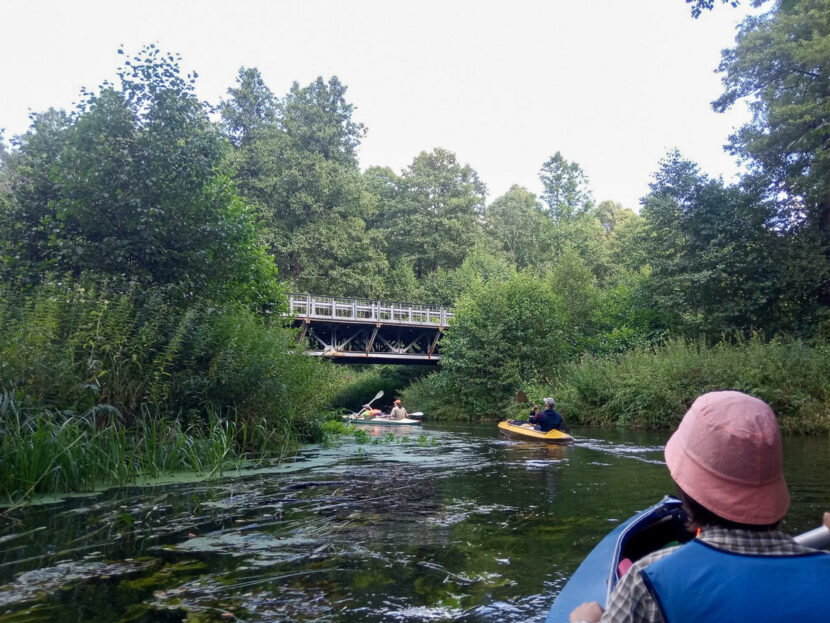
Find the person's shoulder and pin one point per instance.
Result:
(653, 557)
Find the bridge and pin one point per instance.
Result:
(367, 331)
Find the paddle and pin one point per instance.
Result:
(378, 395)
(817, 538)
(369, 404)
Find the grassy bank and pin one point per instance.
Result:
(100, 384)
(652, 388)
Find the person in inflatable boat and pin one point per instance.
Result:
(726, 460)
(548, 419)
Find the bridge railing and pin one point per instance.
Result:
(365, 310)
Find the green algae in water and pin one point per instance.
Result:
(473, 528)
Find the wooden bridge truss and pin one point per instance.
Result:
(365, 331)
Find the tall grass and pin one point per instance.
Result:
(652, 388)
(103, 384)
(45, 452)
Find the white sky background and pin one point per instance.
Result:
(612, 84)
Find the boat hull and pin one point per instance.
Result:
(526, 432)
(596, 577)
(380, 421)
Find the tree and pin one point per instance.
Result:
(340, 257)
(133, 183)
(576, 288)
(437, 219)
(717, 263)
(385, 192)
(516, 221)
(781, 64)
(250, 109)
(318, 119)
(566, 192)
(698, 6)
(296, 165)
(504, 334)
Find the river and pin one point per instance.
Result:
(448, 523)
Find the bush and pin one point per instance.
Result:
(653, 388)
(217, 373)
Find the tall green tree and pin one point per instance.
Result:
(296, 164)
(318, 118)
(780, 65)
(133, 183)
(520, 226)
(715, 255)
(438, 217)
(251, 108)
(566, 191)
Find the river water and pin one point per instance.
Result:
(448, 523)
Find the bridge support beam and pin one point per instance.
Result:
(368, 331)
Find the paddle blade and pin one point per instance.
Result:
(378, 395)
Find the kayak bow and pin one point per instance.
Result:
(646, 532)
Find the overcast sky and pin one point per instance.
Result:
(612, 84)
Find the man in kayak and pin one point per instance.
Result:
(546, 420)
(398, 412)
(726, 460)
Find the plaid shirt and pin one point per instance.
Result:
(631, 601)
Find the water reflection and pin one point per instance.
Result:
(456, 525)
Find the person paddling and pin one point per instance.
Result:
(726, 461)
(546, 420)
(368, 412)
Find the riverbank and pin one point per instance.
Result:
(100, 383)
(651, 388)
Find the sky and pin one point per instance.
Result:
(611, 84)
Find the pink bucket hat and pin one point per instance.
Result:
(726, 454)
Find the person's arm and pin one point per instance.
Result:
(629, 602)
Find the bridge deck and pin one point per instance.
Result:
(334, 309)
(366, 331)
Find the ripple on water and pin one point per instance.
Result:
(466, 528)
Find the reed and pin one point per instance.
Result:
(653, 387)
(102, 383)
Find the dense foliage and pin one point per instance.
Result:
(147, 241)
(653, 387)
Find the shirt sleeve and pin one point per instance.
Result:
(631, 601)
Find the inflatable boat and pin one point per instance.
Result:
(518, 429)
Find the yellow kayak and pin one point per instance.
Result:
(516, 430)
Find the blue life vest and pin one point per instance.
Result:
(701, 583)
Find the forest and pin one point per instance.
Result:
(148, 240)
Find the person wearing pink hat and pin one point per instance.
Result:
(398, 412)
(726, 460)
